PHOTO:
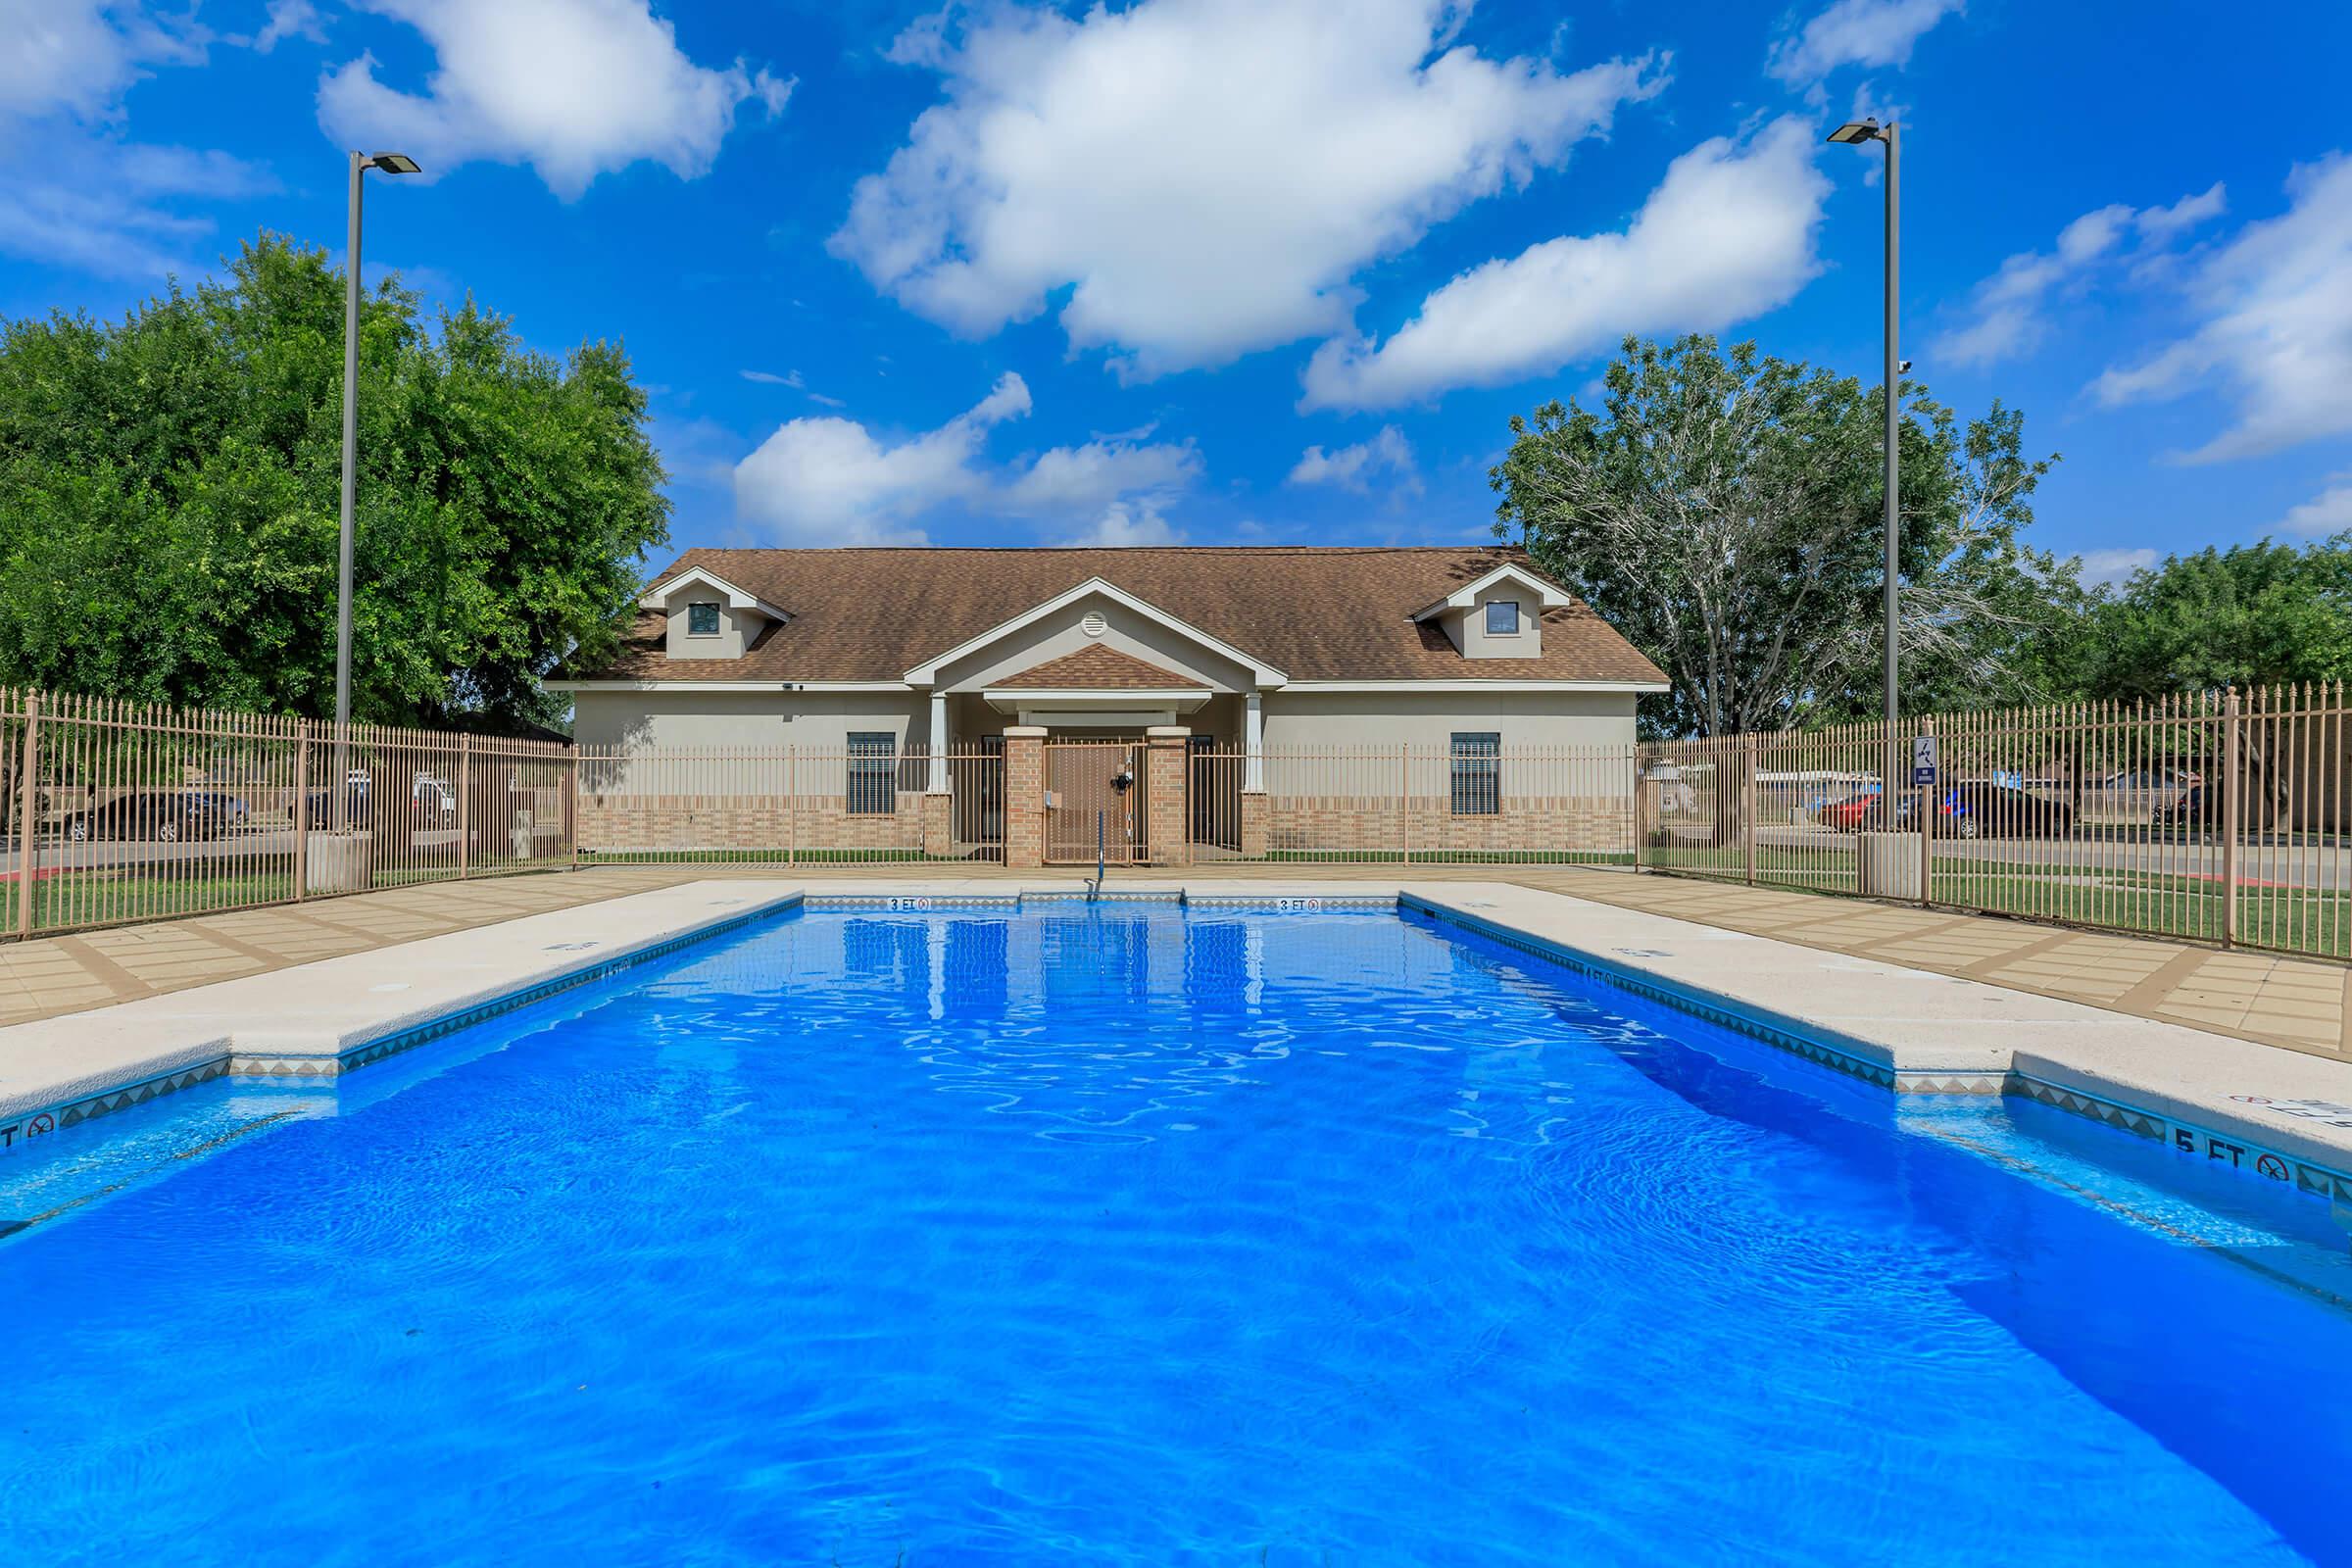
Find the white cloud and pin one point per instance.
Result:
(1124, 527)
(826, 480)
(74, 191)
(790, 378)
(574, 88)
(829, 480)
(1100, 472)
(2113, 565)
(1726, 234)
(2328, 512)
(78, 57)
(289, 19)
(1355, 468)
(2008, 310)
(1855, 32)
(2276, 333)
(1205, 176)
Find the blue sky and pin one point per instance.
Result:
(1259, 270)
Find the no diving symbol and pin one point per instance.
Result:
(2273, 1166)
(43, 1123)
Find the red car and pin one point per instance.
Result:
(1850, 815)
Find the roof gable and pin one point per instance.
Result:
(1095, 669)
(927, 672)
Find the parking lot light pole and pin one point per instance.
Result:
(361, 163)
(1854, 134)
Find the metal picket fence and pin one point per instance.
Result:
(113, 813)
(2219, 818)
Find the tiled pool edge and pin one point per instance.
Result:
(231, 1062)
(2241, 1144)
(2241, 1149)
(269, 1064)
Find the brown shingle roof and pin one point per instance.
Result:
(1096, 668)
(1313, 614)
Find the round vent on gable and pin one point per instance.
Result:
(1094, 625)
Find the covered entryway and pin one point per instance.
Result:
(1094, 803)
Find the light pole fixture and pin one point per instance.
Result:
(1854, 133)
(361, 163)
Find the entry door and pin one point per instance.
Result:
(1086, 807)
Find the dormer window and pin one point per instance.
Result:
(702, 618)
(1502, 617)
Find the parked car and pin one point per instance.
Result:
(231, 810)
(164, 816)
(2195, 812)
(1850, 815)
(1980, 810)
(1972, 810)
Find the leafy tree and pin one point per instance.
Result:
(170, 486)
(2256, 614)
(1722, 510)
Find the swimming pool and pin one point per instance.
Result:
(1136, 1235)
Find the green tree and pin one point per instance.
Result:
(170, 485)
(2255, 615)
(1722, 510)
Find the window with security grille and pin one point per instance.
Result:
(1477, 774)
(873, 773)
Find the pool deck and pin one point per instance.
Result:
(320, 989)
(2299, 1003)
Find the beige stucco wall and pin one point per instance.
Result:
(814, 722)
(823, 722)
(1359, 720)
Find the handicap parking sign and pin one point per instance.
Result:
(1923, 759)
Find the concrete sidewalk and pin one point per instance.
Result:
(2299, 1003)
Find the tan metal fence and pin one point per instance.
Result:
(115, 811)
(2219, 817)
(788, 804)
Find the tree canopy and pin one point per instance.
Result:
(2255, 615)
(169, 489)
(1722, 510)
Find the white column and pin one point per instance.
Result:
(939, 742)
(1254, 747)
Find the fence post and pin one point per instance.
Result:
(572, 801)
(1926, 808)
(1404, 802)
(28, 814)
(465, 805)
(1641, 831)
(300, 816)
(1747, 807)
(2233, 811)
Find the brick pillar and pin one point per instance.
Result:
(1256, 812)
(1164, 817)
(1024, 797)
(939, 825)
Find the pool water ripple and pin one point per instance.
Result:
(1138, 1237)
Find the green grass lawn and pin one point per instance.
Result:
(2290, 920)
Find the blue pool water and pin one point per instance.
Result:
(1139, 1237)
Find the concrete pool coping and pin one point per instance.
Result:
(2277, 1114)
